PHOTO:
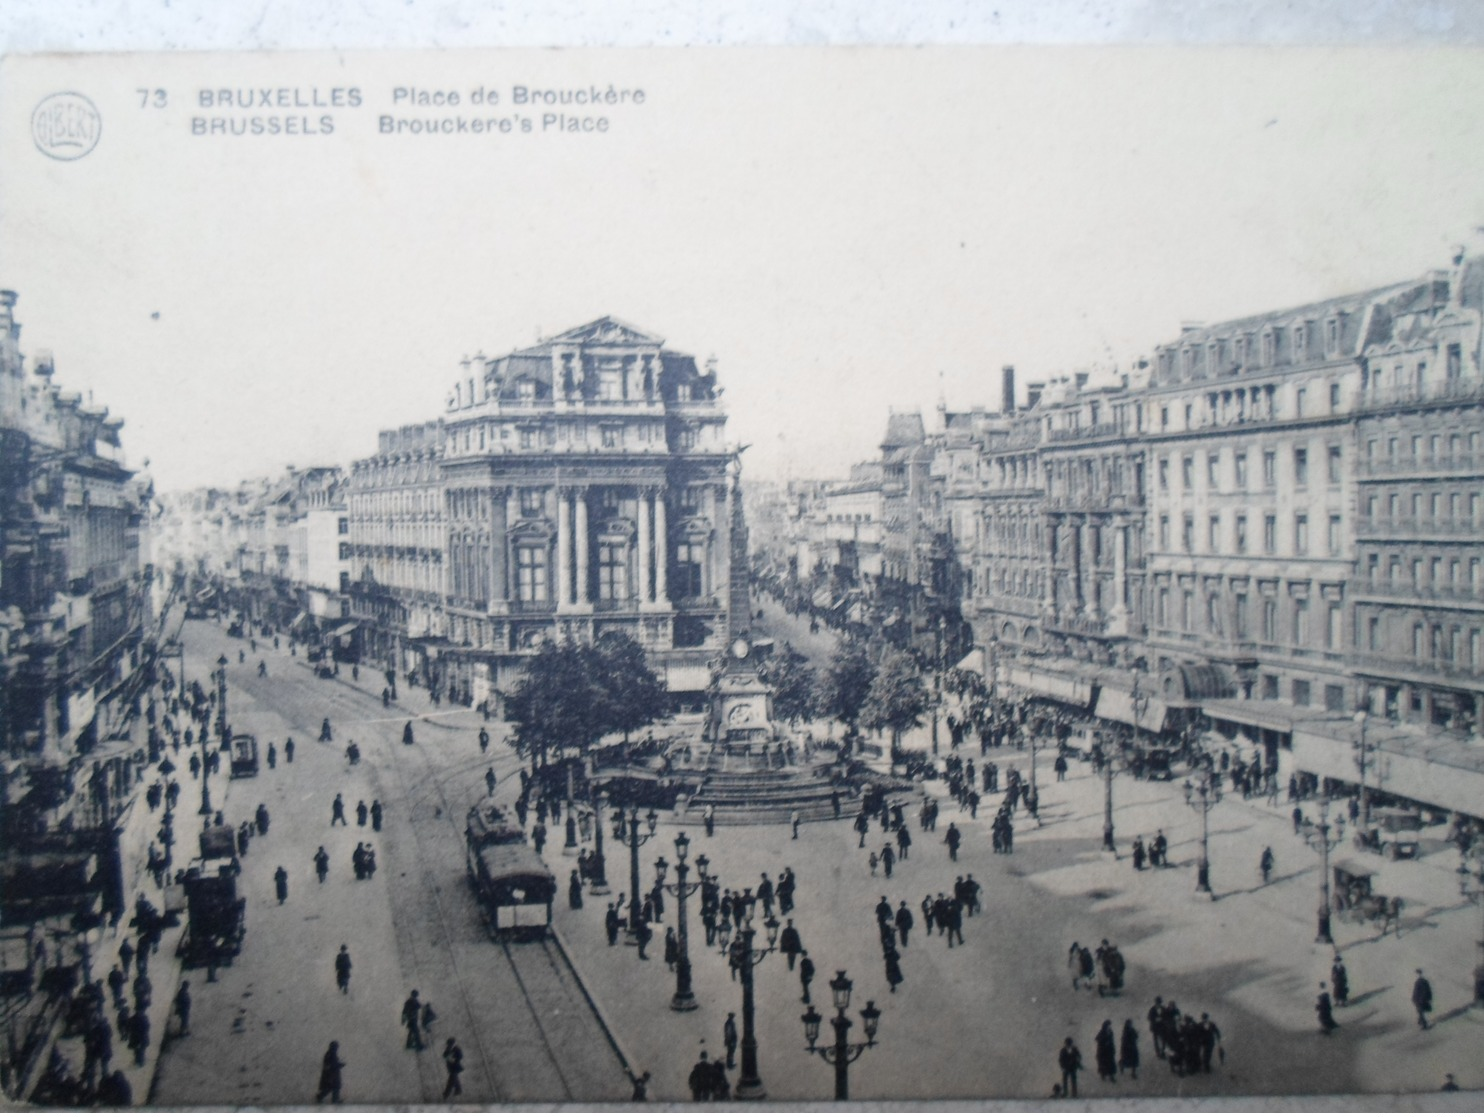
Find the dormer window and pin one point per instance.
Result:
(525, 391)
(1332, 336)
(1239, 351)
(1300, 342)
(1269, 347)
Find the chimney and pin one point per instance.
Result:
(1007, 389)
(1033, 390)
(1080, 379)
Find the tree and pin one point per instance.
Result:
(795, 686)
(559, 701)
(966, 685)
(848, 682)
(635, 695)
(572, 695)
(896, 699)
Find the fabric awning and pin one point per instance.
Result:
(1260, 715)
(974, 661)
(683, 677)
(345, 630)
(1076, 691)
(1116, 704)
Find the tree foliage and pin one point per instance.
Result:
(795, 686)
(896, 699)
(848, 681)
(572, 694)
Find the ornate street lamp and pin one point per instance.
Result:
(1208, 794)
(1362, 762)
(749, 1084)
(843, 1053)
(684, 999)
(599, 885)
(1319, 838)
(636, 839)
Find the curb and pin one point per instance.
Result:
(430, 719)
(629, 1065)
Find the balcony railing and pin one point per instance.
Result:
(1085, 434)
(1409, 465)
(1451, 669)
(1458, 388)
(1446, 591)
(1410, 526)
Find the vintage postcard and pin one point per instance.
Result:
(734, 576)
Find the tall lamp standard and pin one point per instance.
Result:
(1319, 838)
(1111, 756)
(684, 999)
(1207, 795)
(749, 1084)
(843, 1053)
(636, 840)
(1471, 887)
(599, 885)
(1362, 762)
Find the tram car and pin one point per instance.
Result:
(217, 914)
(512, 883)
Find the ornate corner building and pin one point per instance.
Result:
(577, 487)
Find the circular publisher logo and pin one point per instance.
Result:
(66, 126)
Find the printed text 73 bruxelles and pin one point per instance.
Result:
(580, 100)
(573, 109)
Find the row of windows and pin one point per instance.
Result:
(1217, 543)
(1296, 344)
(1456, 506)
(1298, 629)
(1437, 642)
(1239, 476)
(1434, 572)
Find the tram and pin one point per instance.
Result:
(512, 883)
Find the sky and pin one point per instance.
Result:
(847, 231)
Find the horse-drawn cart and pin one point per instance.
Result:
(1356, 900)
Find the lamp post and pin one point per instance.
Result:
(1208, 794)
(1318, 838)
(684, 999)
(1362, 762)
(843, 1053)
(636, 840)
(599, 885)
(1108, 759)
(749, 1084)
(1471, 887)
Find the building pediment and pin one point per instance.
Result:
(606, 331)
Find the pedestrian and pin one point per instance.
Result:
(1265, 865)
(1339, 979)
(453, 1062)
(806, 974)
(873, 861)
(862, 827)
(484, 740)
(708, 816)
(1324, 1009)
(407, 738)
(574, 891)
(893, 962)
(342, 969)
(729, 1038)
(1106, 1052)
(272, 755)
(1422, 999)
(538, 836)
(376, 814)
(952, 839)
(412, 1012)
(321, 864)
(1128, 1049)
(362, 812)
(183, 1007)
(904, 922)
(612, 924)
(337, 811)
(489, 779)
(428, 1016)
(329, 1076)
(641, 1087)
(1157, 1026)
(642, 935)
(324, 731)
(288, 750)
(793, 822)
(281, 884)
(672, 949)
(1070, 1061)
(888, 860)
(139, 1036)
(1210, 1037)
(699, 1080)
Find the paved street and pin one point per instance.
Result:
(259, 1033)
(1248, 958)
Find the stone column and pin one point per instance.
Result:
(661, 551)
(1120, 575)
(646, 530)
(583, 596)
(564, 550)
(499, 549)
